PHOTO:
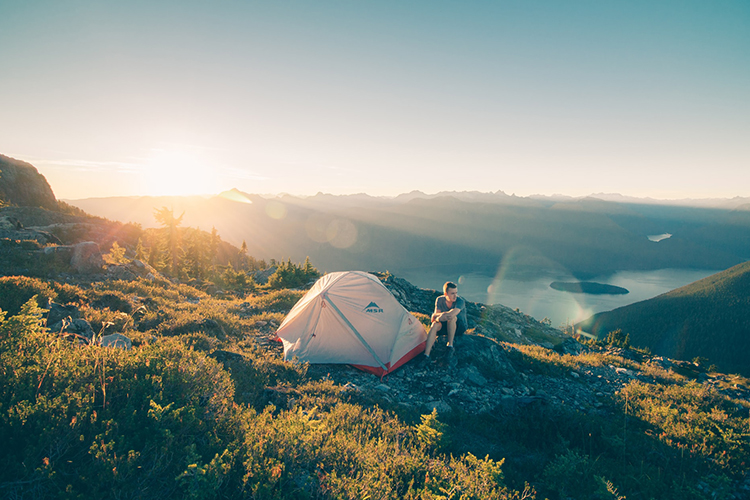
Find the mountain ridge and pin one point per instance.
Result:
(708, 318)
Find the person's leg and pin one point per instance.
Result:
(434, 328)
(451, 331)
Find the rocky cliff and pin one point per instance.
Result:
(21, 184)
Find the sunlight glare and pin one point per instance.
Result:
(177, 173)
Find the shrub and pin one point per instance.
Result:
(88, 421)
(290, 275)
(276, 301)
(431, 432)
(695, 419)
(17, 290)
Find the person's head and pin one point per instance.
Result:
(450, 290)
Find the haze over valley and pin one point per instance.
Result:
(502, 249)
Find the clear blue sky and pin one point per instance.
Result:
(642, 98)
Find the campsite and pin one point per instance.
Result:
(374, 250)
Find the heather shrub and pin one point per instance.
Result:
(17, 290)
(114, 300)
(694, 419)
(88, 421)
(275, 301)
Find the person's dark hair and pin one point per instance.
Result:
(448, 285)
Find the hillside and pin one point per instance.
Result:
(709, 318)
(584, 237)
(22, 184)
(202, 405)
(165, 381)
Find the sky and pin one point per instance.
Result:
(642, 98)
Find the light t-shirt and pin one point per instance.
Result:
(441, 306)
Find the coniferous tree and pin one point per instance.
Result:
(165, 217)
(140, 252)
(214, 245)
(117, 254)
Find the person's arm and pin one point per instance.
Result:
(437, 312)
(448, 315)
(453, 313)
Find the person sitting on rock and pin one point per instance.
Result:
(449, 317)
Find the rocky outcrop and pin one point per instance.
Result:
(21, 184)
(133, 270)
(83, 258)
(66, 320)
(87, 258)
(495, 321)
(13, 229)
(116, 340)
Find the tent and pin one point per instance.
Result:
(351, 318)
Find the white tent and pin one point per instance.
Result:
(351, 318)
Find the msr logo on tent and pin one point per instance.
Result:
(372, 307)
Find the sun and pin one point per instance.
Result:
(177, 173)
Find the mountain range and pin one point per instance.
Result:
(469, 231)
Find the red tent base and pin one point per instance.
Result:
(377, 370)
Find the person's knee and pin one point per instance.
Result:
(452, 321)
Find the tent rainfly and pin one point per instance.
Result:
(351, 318)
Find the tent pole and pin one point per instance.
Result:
(364, 343)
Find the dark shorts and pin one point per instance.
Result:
(460, 328)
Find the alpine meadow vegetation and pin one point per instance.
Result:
(203, 406)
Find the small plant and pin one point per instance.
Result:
(618, 339)
(431, 432)
(116, 255)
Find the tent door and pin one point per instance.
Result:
(354, 330)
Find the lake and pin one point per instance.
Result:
(533, 295)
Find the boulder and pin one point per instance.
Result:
(79, 328)
(473, 377)
(57, 313)
(8, 223)
(441, 406)
(261, 277)
(87, 258)
(116, 340)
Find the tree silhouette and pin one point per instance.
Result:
(165, 217)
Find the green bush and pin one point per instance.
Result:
(88, 421)
(290, 275)
(17, 290)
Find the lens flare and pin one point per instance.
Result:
(341, 233)
(276, 210)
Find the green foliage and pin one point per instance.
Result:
(570, 474)
(237, 281)
(276, 300)
(616, 338)
(197, 410)
(17, 290)
(86, 419)
(694, 419)
(161, 420)
(431, 432)
(140, 251)
(116, 255)
(290, 275)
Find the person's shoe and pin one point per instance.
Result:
(424, 362)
